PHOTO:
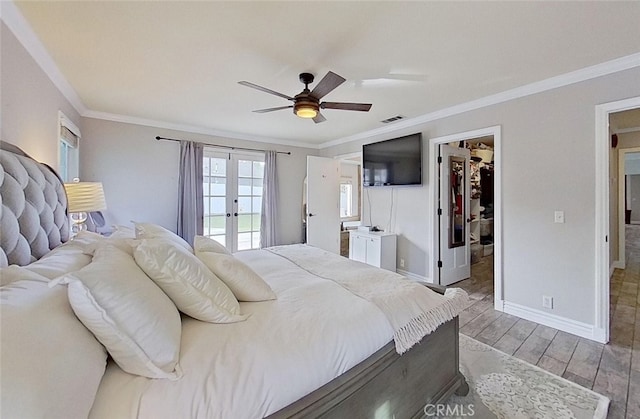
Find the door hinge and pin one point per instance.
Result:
(439, 264)
(439, 211)
(439, 159)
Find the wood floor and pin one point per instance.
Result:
(612, 369)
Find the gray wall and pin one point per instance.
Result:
(548, 154)
(140, 174)
(30, 102)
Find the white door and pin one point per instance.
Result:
(455, 186)
(232, 192)
(323, 203)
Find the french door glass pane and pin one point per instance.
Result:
(244, 186)
(244, 168)
(258, 169)
(245, 241)
(244, 223)
(218, 186)
(244, 205)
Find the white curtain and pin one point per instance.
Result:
(268, 236)
(190, 201)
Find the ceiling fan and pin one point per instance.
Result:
(306, 104)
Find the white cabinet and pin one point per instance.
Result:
(374, 248)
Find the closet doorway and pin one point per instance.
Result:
(483, 218)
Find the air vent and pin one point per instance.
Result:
(392, 119)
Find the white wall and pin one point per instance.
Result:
(548, 154)
(634, 194)
(30, 102)
(140, 174)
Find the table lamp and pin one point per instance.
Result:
(82, 198)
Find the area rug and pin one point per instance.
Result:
(501, 386)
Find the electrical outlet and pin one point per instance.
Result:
(401, 263)
(559, 217)
(547, 302)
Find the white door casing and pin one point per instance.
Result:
(456, 259)
(323, 203)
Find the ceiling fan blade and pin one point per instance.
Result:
(363, 107)
(264, 89)
(319, 118)
(273, 109)
(327, 84)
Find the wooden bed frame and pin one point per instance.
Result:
(399, 385)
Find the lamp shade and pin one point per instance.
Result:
(85, 196)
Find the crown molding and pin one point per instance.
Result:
(194, 129)
(14, 20)
(577, 76)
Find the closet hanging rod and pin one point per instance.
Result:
(226, 146)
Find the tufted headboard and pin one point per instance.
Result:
(33, 217)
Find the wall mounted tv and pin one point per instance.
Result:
(393, 162)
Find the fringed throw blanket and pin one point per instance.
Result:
(412, 309)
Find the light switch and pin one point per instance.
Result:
(559, 217)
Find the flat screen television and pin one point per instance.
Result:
(395, 162)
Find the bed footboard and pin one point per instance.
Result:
(390, 384)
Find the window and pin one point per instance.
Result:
(68, 149)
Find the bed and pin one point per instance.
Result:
(321, 347)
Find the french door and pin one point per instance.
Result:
(232, 196)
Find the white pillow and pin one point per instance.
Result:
(206, 244)
(125, 244)
(194, 289)
(15, 273)
(245, 284)
(63, 259)
(128, 313)
(51, 364)
(154, 231)
(123, 232)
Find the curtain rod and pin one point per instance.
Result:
(226, 146)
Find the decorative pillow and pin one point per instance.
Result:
(128, 313)
(205, 244)
(51, 364)
(154, 231)
(245, 284)
(194, 289)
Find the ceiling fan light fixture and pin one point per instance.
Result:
(306, 109)
(306, 112)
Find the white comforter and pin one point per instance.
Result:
(315, 331)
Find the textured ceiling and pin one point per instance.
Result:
(179, 62)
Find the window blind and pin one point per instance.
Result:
(68, 137)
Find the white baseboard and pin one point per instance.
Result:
(414, 277)
(574, 327)
(617, 264)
